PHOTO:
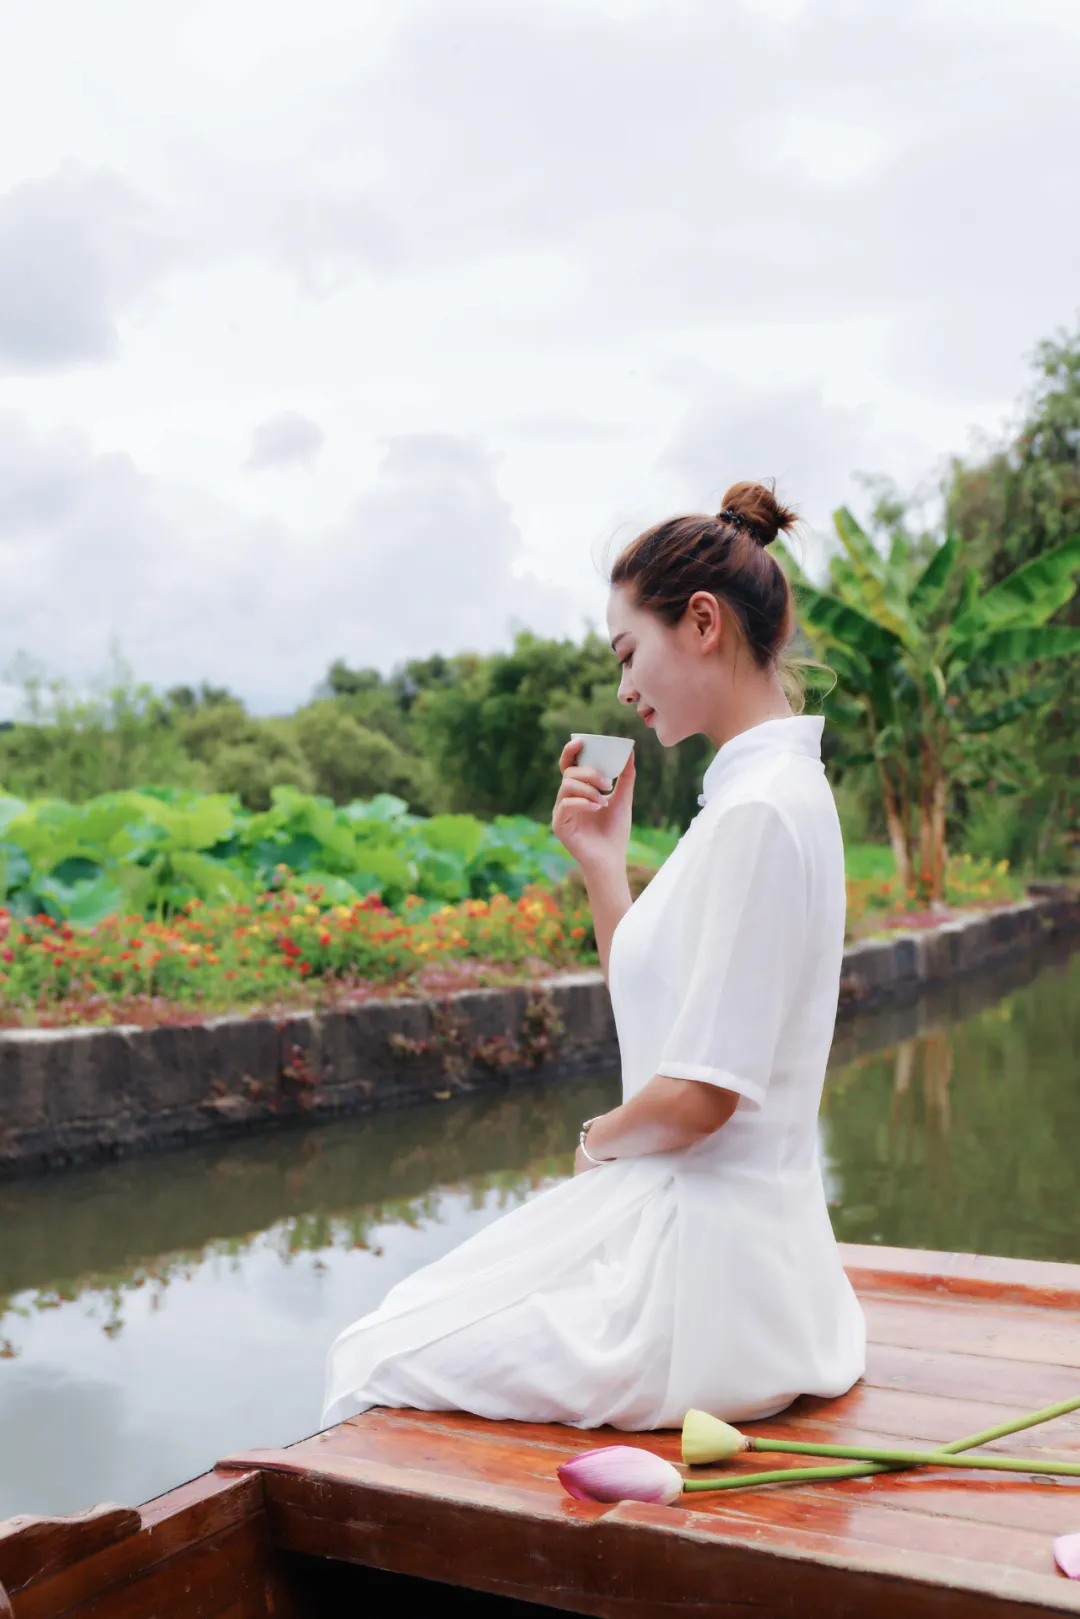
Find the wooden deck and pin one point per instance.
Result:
(958, 1343)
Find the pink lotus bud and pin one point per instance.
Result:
(621, 1473)
(1067, 1555)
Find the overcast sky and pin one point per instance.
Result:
(362, 328)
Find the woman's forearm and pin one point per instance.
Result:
(609, 900)
(666, 1115)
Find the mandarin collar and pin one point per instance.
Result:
(796, 733)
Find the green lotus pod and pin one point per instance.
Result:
(707, 1439)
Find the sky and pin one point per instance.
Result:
(368, 328)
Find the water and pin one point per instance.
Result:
(159, 1314)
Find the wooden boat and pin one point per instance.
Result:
(410, 1512)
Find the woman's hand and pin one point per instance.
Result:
(592, 825)
(582, 1165)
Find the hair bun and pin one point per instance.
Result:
(754, 507)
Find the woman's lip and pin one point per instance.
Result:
(647, 715)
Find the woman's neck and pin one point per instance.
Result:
(749, 703)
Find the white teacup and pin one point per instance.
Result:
(608, 754)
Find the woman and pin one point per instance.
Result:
(690, 1260)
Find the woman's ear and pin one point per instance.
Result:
(705, 619)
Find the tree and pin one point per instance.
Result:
(923, 657)
(484, 728)
(494, 727)
(1013, 503)
(74, 745)
(348, 761)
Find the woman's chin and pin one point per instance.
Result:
(668, 736)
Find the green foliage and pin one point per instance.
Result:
(494, 728)
(1009, 507)
(153, 851)
(923, 661)
(79, 745)
(348, 760)
(480, 735)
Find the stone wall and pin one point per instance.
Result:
(72, 1095)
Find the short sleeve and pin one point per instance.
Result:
(742, 936)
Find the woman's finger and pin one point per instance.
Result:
(574, 802)
(595, 778)
(574, 788)
(584, 805)
(570, 753)
(624, 787)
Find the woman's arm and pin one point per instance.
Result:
(594, 826)
(666, 1115)
(746, 920)
(609, 901)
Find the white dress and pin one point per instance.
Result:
(708, 1277)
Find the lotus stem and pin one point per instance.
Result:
(917, 1458)
(795, 1475)
(1017, 1424)
(785, 1475)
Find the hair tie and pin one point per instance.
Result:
(737, 520)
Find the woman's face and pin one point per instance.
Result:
(669, 674)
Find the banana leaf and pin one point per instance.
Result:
(1030, 596)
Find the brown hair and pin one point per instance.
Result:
(726, 556)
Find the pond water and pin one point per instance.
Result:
(158, 1314)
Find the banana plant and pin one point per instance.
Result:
(928, 665)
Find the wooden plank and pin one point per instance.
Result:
(172, 1525)
(898, 1414)
(859, 1510)
(218, 1575)
(33, 1546)
(634, 1560)
(976, 1377)
(999, 1332)
(1038, 1282)
(868, 1416)
(840, 1525)
(463, 1453)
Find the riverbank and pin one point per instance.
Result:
(70, 1096)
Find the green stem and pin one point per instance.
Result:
(785, 1475)
(1016, 1425)
(794, 1475)
(918, 1458)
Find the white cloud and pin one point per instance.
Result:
(285, 440)
(641, 248)
(78, 249)
(92, 549)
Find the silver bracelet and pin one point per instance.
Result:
(584, 1148)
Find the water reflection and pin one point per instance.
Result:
(157, 1314)
(964, 1137)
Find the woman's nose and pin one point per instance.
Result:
(627, 694)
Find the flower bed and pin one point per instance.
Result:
(284, 951)
(877, 902)
(289, 951)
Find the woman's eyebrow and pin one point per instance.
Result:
(618, 638)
